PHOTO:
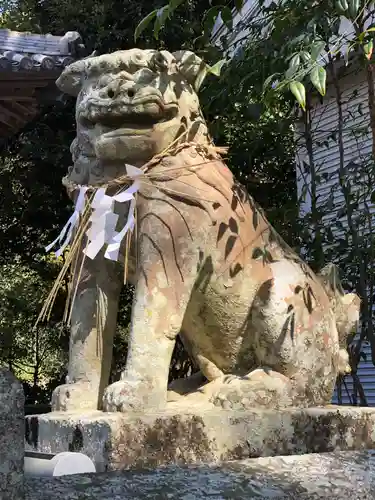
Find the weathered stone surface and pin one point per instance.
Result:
(12, 430)
(338, 476)
(264, 329)
(117, 441)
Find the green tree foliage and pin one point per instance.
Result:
(108, 26)
(18, 15)
(260, 137)
(36, 355)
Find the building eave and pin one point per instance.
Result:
(30, 63)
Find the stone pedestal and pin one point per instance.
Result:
(116, 441)
(12, 430)
(337, 476)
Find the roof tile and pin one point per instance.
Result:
(33, 52)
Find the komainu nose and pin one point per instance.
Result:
(111, 93)
(128, 91)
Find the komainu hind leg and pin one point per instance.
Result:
(261, 388)
(208, 372)
(184, 386)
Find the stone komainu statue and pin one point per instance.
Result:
(205, 262)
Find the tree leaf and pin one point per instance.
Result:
(269, 79)
(293, 66)
(299, 92)
(341, 6)
(305, 56)
(290, 56)
(290, 72)
(295, 61)
(226, 16)
(318, 77)
(144, 23)
(173, 4)
(316, 49)
(217, 67)
(161, 16)
(239, 4)
(353, 6)
(210, 18)
(362, 35)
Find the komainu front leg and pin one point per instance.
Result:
(93, 324)
(156, 321)
(166, 271)
(157, 314)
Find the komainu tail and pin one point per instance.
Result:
(345, 307)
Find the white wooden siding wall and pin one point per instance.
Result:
(326, 157)
(250, 11)
(326, 149)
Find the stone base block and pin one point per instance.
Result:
(334, 476)
(117, 441)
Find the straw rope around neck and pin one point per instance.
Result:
(148, 177)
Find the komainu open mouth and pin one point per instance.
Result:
(113, 117)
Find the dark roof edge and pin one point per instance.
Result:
(33, 43)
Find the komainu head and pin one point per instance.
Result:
(132, 104)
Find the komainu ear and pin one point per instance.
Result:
(70, 80)
(192, 67)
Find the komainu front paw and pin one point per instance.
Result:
(126, 396)
(78, 396)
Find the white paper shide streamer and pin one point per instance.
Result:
(102, 230)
